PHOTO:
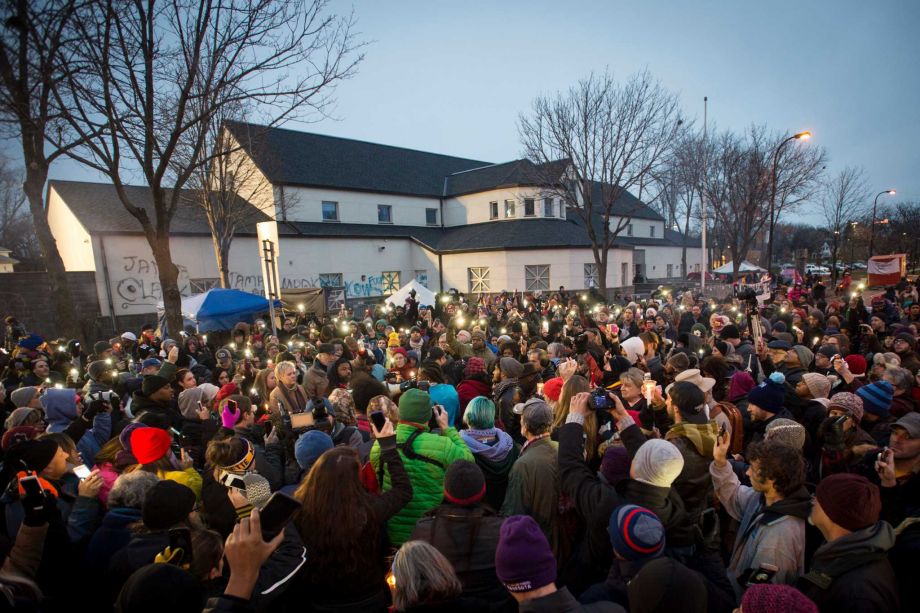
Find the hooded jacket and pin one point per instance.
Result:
(695, 442)
(61, 409)
(533, 488)
(853, 574)
(495, 453)
(766, 535)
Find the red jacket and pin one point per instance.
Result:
(469, 389)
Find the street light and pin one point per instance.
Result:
(890, 192)
(800, 136)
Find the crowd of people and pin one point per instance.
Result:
(549, 451)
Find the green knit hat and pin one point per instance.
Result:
(415, 406)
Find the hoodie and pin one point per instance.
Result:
(61, 409)
(495, 453)
(695, 442)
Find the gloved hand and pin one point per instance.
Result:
(833, 435)
(229, 418)
(38, 510)
(95, 407)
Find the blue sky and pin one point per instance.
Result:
(452, 77)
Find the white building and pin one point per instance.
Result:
(366, 218)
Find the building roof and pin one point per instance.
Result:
(289, 157)
(98, 207)
(5, 259)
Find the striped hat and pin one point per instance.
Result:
(876, 397)
(635, 533)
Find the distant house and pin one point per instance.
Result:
(7, 262)
(366, 218)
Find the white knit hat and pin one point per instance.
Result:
(634, 347)
(657, 463)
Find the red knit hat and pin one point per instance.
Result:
(225, 392)
(850, 501)
(769, 598)
(553, 388)
(856, 363)
(149, 444)
(474, 366)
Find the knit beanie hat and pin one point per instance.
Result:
(770, 394)
(162, 587)
(908, 338)
(806, 356)
(474, 366)
(19, 416)
(510, 367)
(679, 361)
(125, 436)
(818, 385)
(664, 584)
(478, 334)
(23, 396)
(730, 331)
(310, 446)
(415, 406)
(188, 402)
(34, 455)
(31, 342)
(149, 444)
(698, 328)
(657, 463)
(552, 389)
(850, 501)
(393, 340)
(166, 504)
(17, 435)
(851, 403)
(153, 383)
(226, 390)
(523, 558)
(856, 363)
(786, 432)
(96, 370)
(464, 483)
(876, 397)
(615, 464)
(635, 533)
(634, 347)
(464, 337)
(770, 598)
(740, 385)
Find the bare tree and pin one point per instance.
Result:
(16, 231)
(843, 202)
(610, 138)
(33, 55)
(685, 180)
(160, 69)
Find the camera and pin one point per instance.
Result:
(748, 295)
(415, 384)
(600, 400)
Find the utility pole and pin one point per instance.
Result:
(703, 196)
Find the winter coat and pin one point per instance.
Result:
(316, 381)
(469, 389)
(446, 396)
(427, 478)
(188, 477)
(695, 442)
(61, 410)
(109, 476)
(268, 459)
(766, 535)
(533, 487)
(506, 394)
(562, 601)
(112, 536)
(468, 538)
(495, 453)
(852, 573)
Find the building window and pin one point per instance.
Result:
(651, 231)
(561, 209)
(330, 279)
(479, 279)
(493, 210)
(199, 286)
(509, 209)
(629, 229)
(591, 276)
(422, 277)
(390, 282)
(431, 217)
(529, 207)
(536, 278)
(384, 213)
(330, 210)
(547, 207)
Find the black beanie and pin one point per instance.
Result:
(730, 331)
(33, 455)
(161, 587)
(464, 483)
(152, 383)
(167, 503)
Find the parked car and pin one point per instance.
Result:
(814, 269)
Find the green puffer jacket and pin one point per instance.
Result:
(427, 479)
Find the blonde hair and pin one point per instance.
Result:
(575, 385)
(423, 576)
(282, 367)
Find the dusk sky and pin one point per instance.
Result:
(452, 77)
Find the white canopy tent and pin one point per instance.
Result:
(744, 266)
(422, 294)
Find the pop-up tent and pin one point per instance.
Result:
(744, 266)
(422, 294)
(218, 309)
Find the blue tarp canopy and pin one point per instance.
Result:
(219, 309)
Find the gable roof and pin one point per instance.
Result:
(289, 157)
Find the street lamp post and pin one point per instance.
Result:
(800, 136)
(890, 192)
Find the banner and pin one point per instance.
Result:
(886, 269)
(888, 266)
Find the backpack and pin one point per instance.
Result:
(736, 419)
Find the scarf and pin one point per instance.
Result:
(491, 444)
(295, 400)
(501, 387)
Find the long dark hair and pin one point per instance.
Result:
(336, 521)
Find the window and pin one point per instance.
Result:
(536, 278)
(629, 229)
(422, 277)
(493, 210)
(561, 209)
(330, 210)
(591, 276)
(651, 231)
(390, 282)
(431, 217)
(509, 209)
(330, 279)
(547, 207)
(384, 213)
(529, 207)
(199, 286)
(670, 266)
(479, 279)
